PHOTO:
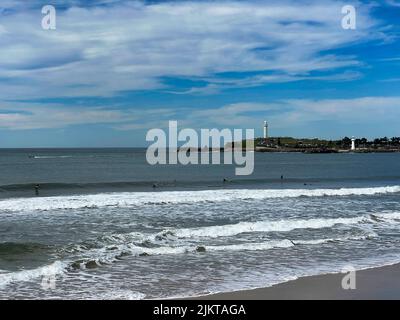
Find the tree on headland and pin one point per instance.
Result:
(346, 142)
(395, 141)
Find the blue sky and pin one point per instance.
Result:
(114, 69)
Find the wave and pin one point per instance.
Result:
(386, 216)
(139, 185)
(149, 246)
(129, 199)
(112, 248)
(51, 157)
(264, 226)
(108, 255)
(230, 230)
(7, 248)
(79, 186)
(94, 258)
(117, 295)
(284, 244)
(51, 270)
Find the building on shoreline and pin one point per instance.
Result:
(353, 144)
(318, 145)
(265, 130)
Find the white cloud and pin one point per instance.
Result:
(30, 116)
(359, 116)
(216, 84)
(99, 51)
(283, 114)
(394, 3)
(358, 110)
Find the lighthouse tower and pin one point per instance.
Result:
(265, 130)
(353, 144)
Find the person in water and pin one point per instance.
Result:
(37, 187)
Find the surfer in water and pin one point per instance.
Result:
(37, 187)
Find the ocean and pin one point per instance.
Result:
(106, 225)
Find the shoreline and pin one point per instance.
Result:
(380, 283)
(323, 151)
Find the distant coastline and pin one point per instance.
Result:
(307, 145)
(316, 145)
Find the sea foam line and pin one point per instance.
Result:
(229, 230)
(129, 199)
(263, 226)
(97, 257)
(123, 244)
(51, 270)
(110, 253)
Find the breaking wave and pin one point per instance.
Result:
(20, 248)
(129, 199)
(54, 269)
(113, 248)
(264, 226)
(97, 257)
(51, 157)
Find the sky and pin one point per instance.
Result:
(114, 69)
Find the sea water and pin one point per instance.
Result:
(106, 225)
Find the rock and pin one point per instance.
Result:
(112, 248)
(146, 243)
(122, 254)
(144, 254)
(91, 264)
(164, 235)
(77, 264)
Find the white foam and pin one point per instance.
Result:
(281, 244)
(129, 199)
(51, 157)
(104, 255)
(388, 215)
(264, 226)
(54, 269)
(118, 295)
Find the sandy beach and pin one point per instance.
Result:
(376, 283)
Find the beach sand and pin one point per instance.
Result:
(376, 283)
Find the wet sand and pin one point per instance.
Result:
(376, 283)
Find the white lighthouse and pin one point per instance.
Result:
(265, 130)
(353, 143)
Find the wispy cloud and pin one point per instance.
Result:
(283, 115)
(112, 46)
(31, 116)
(394, 3)
(214, 85)
(390, 80)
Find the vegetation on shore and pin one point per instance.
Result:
(287, 144)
